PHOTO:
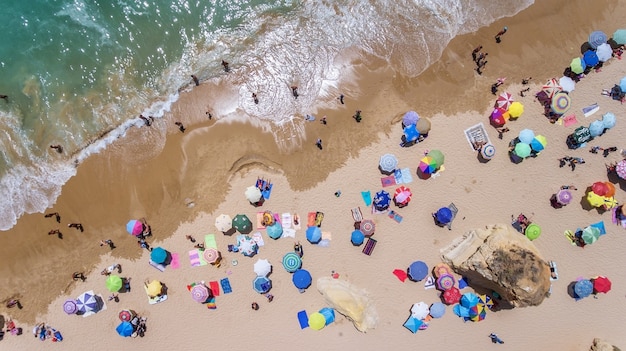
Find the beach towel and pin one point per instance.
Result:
(215, 287)
(454, 211)
(369, 246)
(277, 218)
(395, 216)
(209, 241)
(569, 120)
(476, 134)
(367, 197)
(570, 236)
(175, 264)
(429, 283)
(310, 219)
(258, 238)
(406, 176)
(267, 190)
(259, 220)
(319, 217)
(288, 233)
(327, 236)
(388, 181)
(401, 274)
(591, 109)
(303, 319)
(157, 265)
(225, 283)
(211, 304)
(195, 258)
(286, 220)
(357, 215)
(296, 221)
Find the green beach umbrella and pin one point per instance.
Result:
(114, 283)
(532, 231)
(590, 235)
(577, 65)
(620, 36)
(522, 150)
(436, 156)
(242, 224)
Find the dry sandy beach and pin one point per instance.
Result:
(214, 161)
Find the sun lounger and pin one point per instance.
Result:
(369, 246)
(476, 134)
(225, 283)
(357, 215)
(157, 266)
(554, 274)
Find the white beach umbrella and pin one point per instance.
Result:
(567, 84)
(604, 52)
(223, 223)
(262, 267)
(253, 194)
(420, 310)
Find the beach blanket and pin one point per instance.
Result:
(405, 176)
(157, 265)
(303, 319)
(225, 283)
(259, 220)
(591, 109)
(296, 221)
(367, 197)
(369, 246)
(289, 233)
(569, 120)
(310, 219)
(175, 264)
(258, 238)
(286, 220)
(388, 181)
(196, 259)
(476, 134)
(401, 274)
(209, 241)
(356, 214)
(215, 287)
(395, 216)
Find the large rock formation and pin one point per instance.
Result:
(350, 301)
(502, 260)
(601, 345)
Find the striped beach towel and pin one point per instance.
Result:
(369, 246)
(357, 215)
(476, 134)
(196, 259)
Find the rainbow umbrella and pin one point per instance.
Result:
(504, 100)
(445, 282)
(620, 169)
(532, 232)
(561, 103)
(134, 227)
(516, 109)
(522, 150)
(551, 87)
(485, 300)
(601, 284)
(564, 197)
(577, 65)
(427, 165)
(477, 313)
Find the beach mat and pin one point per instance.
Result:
(157, 265)
(400, 274)
(195, 258)
(476, 134)
(367, 197)
(267, 192)
(303, 319)
(388, 181)
(395, 216)
(569, 120)
(327, 236)
(215, 287)
(175, 264)
(591, 109)
(209, 241)
(259, 220)
(369, 246)
(406, 175)
(286, 220)
(225, 283)
(310, 219)
(357, 215)
(258, 238)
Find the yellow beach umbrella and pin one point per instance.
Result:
(317, 321)
(516, 109)
(154, 288)
(595, 200)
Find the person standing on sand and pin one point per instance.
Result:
(226, 68)
(341, 98)
(294, 91)
(181, 127)
(58, 148)
(501, 33)
(256, 100)
(195, 79)
(476, 51)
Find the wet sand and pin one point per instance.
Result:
(145, 176)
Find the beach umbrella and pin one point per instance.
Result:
(211, 255)
(317, 321)
(329, 314)
(445, 282)
(595, 200)
(608, 120)
(413, 324)
(69, 307)
(125, 329)
(477, 313)
(200, 293)
(577, 65)
(596, 128)
(367, 227)
(253, 194)
(561, 103)
(522, 150)
(597, 38)
(423, 126)
(154, 288)
(532, 232)
(504, 100)
(301, 278)
(248, 247)
(516, 109)
(452, 296)
(537, 145)
(114, 283)
(469, 299)
(620, 169)
(388, 163)
(583, 288)
(611, 189)
(599, 188)
(292, 262)
(126, 315)
(485, 301)
(223, 223)
(87, 302)
(497, 118)
(619, 36)
(564, 197)
(409, 118)
(313, 234)
(601, 284)
(590, 235)
(158, 255)
(261, 284)
(567, 84)
(604, 52)
(526, 136)
(437, 310)
(134, 227)
(427, 165)
(242, 224)
(437, 156)
(411, 133)
(275, 230)
(581, 135)
(402, 196)
(420, 310)
(417, 271)
(591, 58)
(443, 215)
(440, 269)
(382, 199)
(357, 237)
(262, 267)
(461, 311)
(551, 87)
(487, 151)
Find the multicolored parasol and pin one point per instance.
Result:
(427, 165)
(134, 227)
(292, 262)
(561, 102)
(445, 282)
(504, 100)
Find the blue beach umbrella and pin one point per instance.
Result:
(313, 234)
(437, 310)
(622, 84)
(411, 133)
(536, 145)
(275, 231)
(413, 324)
(261, 284)
(409, 118)
(608, 119)
(292, 262)
(596, 128)
(125, 329)
(158, 255)
(382, 200)
(469, 299)
(87, 302)
(583, 288)
(443, 215)
(591, 58)
(301, 279)
(417, 271)
(526, 136)
(357, 237)
(597, 38)
(461, 311)
(620, 36)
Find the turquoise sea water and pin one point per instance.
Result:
(79, 72)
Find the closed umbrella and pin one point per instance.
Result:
(410, 133)
(526, 136)
(604, 52)
(275, 230)
(223, 223)
(417, 271)
(620, 169)
(443, 215)
(437, 156)
(596, 128)
(200, 293)
(292, 262)
(158, 255)
(620, 36)
(504, 101)
(608, 120)
(560, 103)
(114, 283)
(532, 232)
(253, 194)
(134, 227)
(591, 58)
(583, 288)
(125, 329)
(301, 279)
(211, 255)
(577, 65)
(409, 118)
(313, 234)
(367, 227)
(516, 109)
(242, 224)
(69, 307)
(388, 163)
(437, 310)
(551, 87)
(597, 38)
(567, 84)
(261, 284)
(420, 310)
(564, 197)
(357, 237)
(590, 235)
(601, 284)
(262, 267)
(487, 151)
(423, 126)
(522, 150)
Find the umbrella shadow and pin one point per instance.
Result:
(481, 159)
(615, 179)
(385, 172)
(585, 47)
(230, 231)
(571, 292)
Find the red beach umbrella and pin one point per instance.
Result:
(601, 284)
(497, 118)
(504, 100)
(402, 196)
(452, 296)
(599, 188)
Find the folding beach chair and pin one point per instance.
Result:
(454, 211)
(357, 215)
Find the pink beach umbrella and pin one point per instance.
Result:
(200, 293)
(620, 169)
(504, 101)
(134, 227)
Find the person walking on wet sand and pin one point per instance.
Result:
(55, 214)
(76, 225)
(341, 98)
(58, 148)
(475, 52)
(107, 242)
(323, 120)
(256, 100)
(526, 81)
(181, 127)
(501, 33)
(481, 57)
(357, 116)
(57, 232)
(148, 121)
(318, 143)
(14, 302)
(195, 79)
(480, 67)
(294, 91)
(226, 68)
(79, 275)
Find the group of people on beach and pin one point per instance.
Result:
(57, 232)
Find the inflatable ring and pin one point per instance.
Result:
(268, 219)
(234, 262)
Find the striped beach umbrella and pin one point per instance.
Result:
(487, 151)
(561, 103)
(551, 87)
(402, 196)
(200, 293)
(292, 262)
(211, 255)
(388, 163)
(597, 38)
(367, 227)
(504, 101)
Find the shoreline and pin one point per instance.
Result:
(161, 199)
